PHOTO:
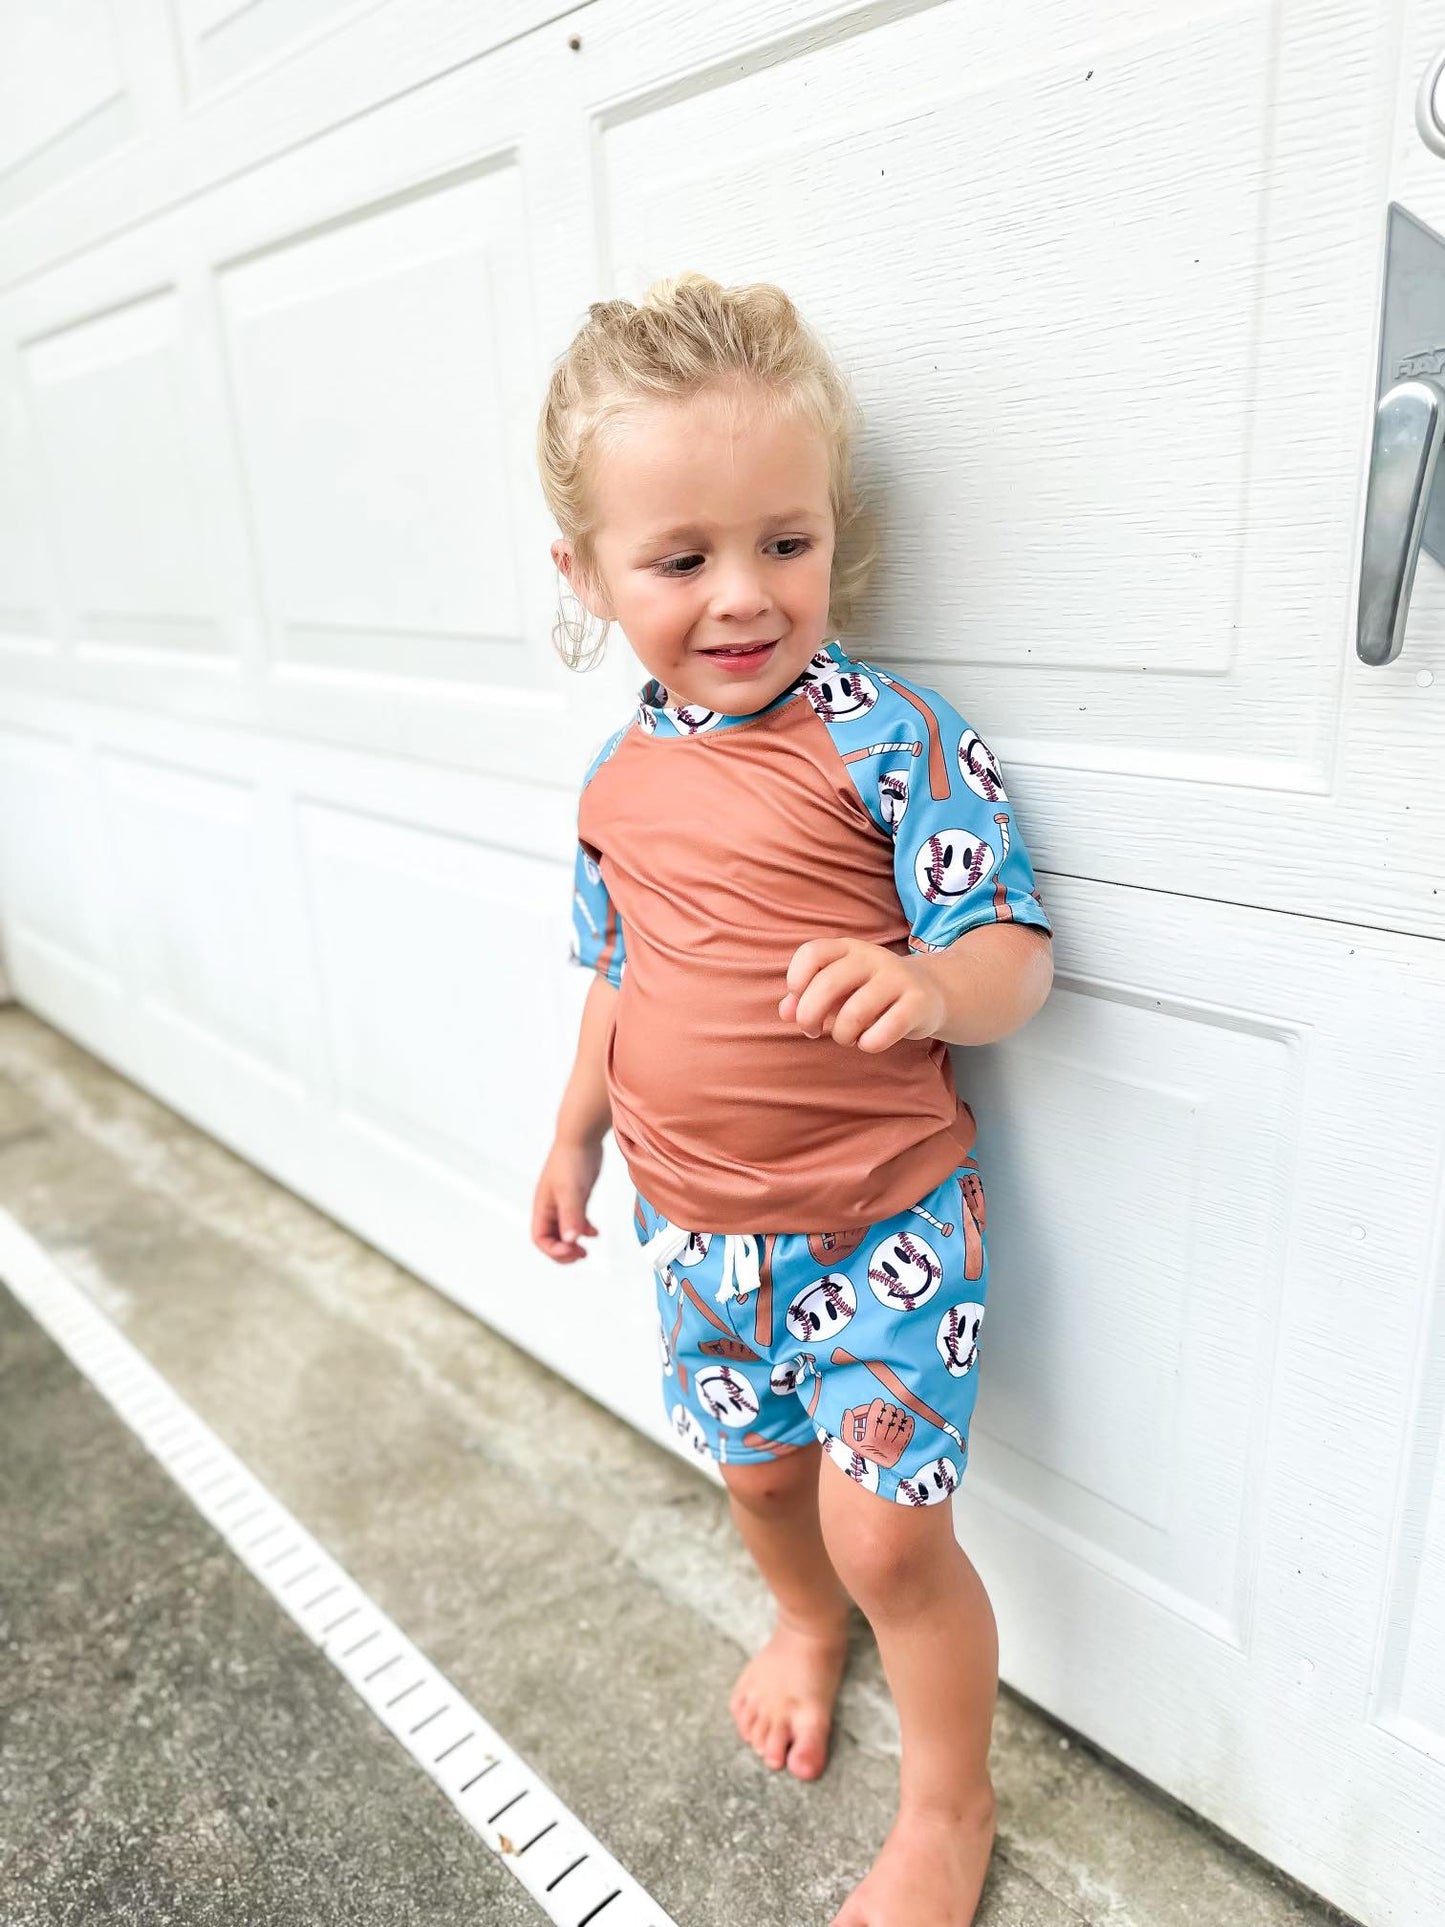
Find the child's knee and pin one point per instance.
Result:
(890, 1559)
(772, 1485)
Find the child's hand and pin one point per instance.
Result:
(559, 1208)
(860, 993)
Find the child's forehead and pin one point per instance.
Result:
(718, 452)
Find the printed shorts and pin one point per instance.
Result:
(865, 1339)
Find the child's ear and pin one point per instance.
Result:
(589, 590)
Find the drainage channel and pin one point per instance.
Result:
(565, 1869)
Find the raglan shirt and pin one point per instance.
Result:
(856, 804)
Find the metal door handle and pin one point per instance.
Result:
(1408, 426)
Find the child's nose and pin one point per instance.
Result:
(741, 593)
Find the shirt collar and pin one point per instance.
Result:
(660, 717)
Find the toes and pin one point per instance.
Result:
(774, 1748)
(808, 1754)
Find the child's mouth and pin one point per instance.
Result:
(741, 661)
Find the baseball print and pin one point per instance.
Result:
(891, 1403)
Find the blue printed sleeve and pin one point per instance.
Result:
(958, 858)
(597, 939)
(928, 780)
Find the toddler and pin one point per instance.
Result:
(798, 879)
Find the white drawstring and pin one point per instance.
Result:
(740, 1273)
(664, 1244)
(740, 1266)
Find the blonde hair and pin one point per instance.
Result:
(690, 334)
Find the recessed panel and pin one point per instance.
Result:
(428, 946)
(1412, 1672)
(62, 92)
(1421, 1704)
(53, 856)
(378, 375)
(24, 587)
(1128, 1340)
(108, 398)
(199, 913)
(222, 38)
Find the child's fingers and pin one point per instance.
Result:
(830, 989)
(572, 1214)
(865, 1011)
(810, 957)
(557, 1223)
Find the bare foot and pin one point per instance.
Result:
(783, 1701)
(929, 1872)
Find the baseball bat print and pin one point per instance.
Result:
(940, 785)
(581, 903)
(886, 1376)
(944, 1230)
(729, 1348)
(681, 1368)
(878, 749)
(1002, 910)
(706, 1309)
(763, 1309)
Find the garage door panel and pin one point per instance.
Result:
(64, 97)
(1136, 1332)
(370, 360)
(107, 402)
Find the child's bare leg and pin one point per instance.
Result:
(783, 1700)
(939, 1644)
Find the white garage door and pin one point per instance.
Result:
(289, 772)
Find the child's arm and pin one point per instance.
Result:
(559, 1207)
(991, 980)
(585, 1114)
(983, 985)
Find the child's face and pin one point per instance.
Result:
(714, 528)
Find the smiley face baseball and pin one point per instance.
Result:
(951, 863)
(838, 695)
(904, 1271)
(822, 1308)
(979, 768)
(685, 1425)
(931, 1484)
(727, 1394)
(893, 797)
(958, 1331)
(860, 1470)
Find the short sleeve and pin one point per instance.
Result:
(958, 858)
(597, 941)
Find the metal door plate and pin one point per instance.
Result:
(1412, 329)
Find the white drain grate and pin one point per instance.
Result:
(565, 1869)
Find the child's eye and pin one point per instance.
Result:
(685, 565)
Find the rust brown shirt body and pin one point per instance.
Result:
(709, 848)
